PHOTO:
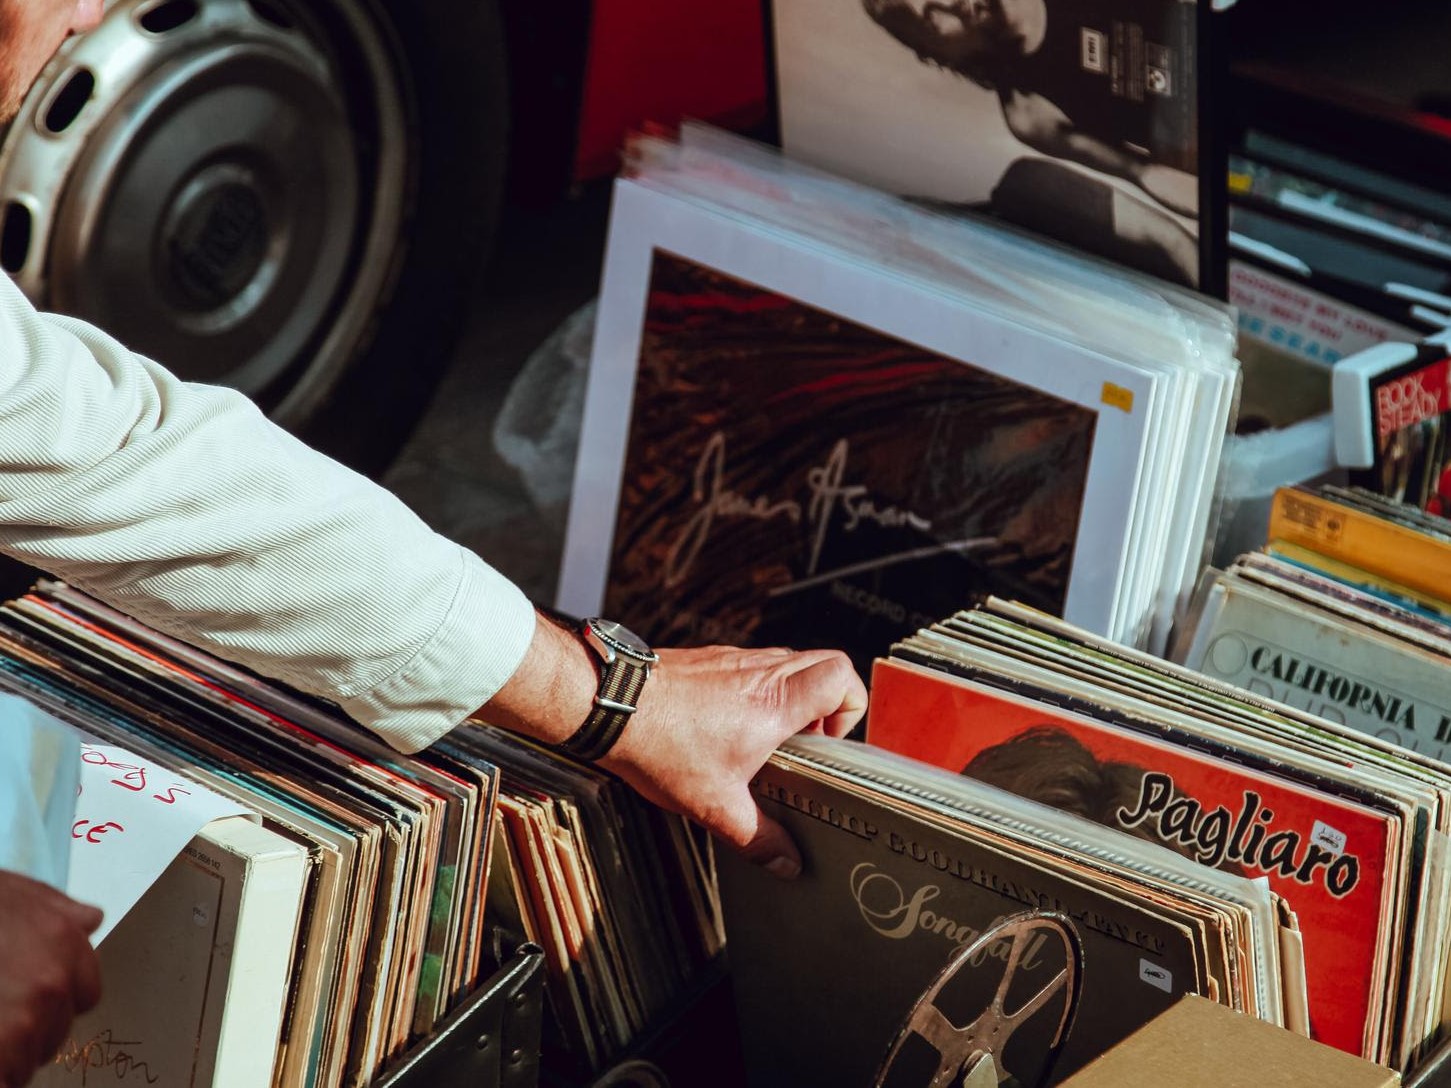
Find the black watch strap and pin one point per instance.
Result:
(614, 706)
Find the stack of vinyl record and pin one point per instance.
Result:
(312, 942)
(820, 416)
(1345, 613)
(1347, 829)
(939, 919)
(620, 895)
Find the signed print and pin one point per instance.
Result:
(792, 477)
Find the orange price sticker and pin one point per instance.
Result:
(1116, 396)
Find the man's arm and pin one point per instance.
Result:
(182, 505)
(1044, 127)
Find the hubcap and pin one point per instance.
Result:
(214, 241)
(191, 177)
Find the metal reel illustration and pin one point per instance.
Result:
(973, 1055)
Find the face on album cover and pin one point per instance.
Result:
(1074, 118)
(792, 478)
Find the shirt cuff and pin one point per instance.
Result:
(476, 649)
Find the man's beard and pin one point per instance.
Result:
(13, 88)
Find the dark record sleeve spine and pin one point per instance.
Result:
(1212, 61)
(771, 128)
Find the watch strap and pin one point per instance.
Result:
(614, 705)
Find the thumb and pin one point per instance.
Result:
(758, 838)
(84, 917)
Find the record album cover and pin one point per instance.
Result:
(1271, 645)
(1078, 120)
(787, 439)
(828, 967)
(792, 477)
(1410, 418)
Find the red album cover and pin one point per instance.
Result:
(1411, 417)
(1328, 857)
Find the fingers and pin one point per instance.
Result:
(48, 973)
(86, 979)
(826, 689)
(86, 918)
(85, 967)
(735, 706)
(757, 837)
(60, 1010)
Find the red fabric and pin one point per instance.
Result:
(662, 61)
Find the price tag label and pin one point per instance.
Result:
(133, 817)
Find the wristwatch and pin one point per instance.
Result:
(625, 663)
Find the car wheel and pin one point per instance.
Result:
(289, 197)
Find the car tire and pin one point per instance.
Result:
(292, 197)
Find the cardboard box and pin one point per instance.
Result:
(1202, 1044)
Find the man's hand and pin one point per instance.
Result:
(48, 973)
(707, 721)
(710, 718)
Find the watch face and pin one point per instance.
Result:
(622, 638)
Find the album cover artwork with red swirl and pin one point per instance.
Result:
(793, 478)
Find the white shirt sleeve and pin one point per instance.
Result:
(184, 506)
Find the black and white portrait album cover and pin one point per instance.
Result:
(1083, 120)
